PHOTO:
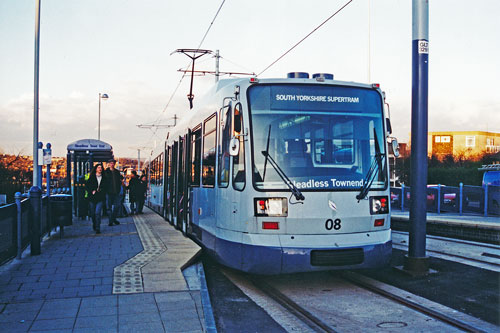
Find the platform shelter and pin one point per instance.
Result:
(82, 155)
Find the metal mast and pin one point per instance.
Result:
(417, 261)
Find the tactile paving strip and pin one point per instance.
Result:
(127, 277)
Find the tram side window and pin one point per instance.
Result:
(209, 145)
(195, 157)
(160, 170)
(157, 170)
(239, 160)
(224, 157)
(153, 172)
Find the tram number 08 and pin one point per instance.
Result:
(333, 224)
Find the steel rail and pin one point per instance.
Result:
(458, 256)
(453, 240)
(353, 278)
(302, 314)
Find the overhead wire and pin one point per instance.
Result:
(211, 23)
(303, 39)
(184, 74)
(236, 64)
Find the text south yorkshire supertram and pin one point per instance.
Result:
(325, 99)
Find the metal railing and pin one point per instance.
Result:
(17, 224)
(480, 200)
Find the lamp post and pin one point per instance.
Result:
(101, 96)
(36, 172)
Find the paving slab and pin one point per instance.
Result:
(71, 286)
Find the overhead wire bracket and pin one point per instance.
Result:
(193, 54)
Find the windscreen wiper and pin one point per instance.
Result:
(372, 172)
(267, 150)
(295, 191)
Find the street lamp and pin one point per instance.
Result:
(101, 96)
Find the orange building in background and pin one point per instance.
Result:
(465, 143)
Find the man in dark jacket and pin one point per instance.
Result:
(142, 188)
(133, 184)
(96, 189)
(113, 187)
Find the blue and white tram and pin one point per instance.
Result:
(283, 175)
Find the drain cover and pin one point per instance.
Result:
(392, 324)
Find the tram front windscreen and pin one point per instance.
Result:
(323, 137)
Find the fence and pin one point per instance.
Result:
(481, 200)
(10, 243)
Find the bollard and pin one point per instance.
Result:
(439, 200)
(40, 165)
(36, 217)
(402, 197)
(18, 198)
(460, 209)
(49, 222)
(485, 199)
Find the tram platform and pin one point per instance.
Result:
(470, 227)
(131, 277)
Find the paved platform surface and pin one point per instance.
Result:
(89, 283)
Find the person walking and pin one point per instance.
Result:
(113, 187)
(140, 194)
(96, 189)
(122, 211)
(133, 184)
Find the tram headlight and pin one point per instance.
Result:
(271, 207)
(379, 205)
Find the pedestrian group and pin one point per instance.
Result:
(107, 187)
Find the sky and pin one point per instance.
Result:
(123, 48)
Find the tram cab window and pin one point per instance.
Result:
(209, 151)
(224, 157)
(239, 160)
(195, 156)
(334, 147)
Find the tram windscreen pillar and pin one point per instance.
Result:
(419, 129)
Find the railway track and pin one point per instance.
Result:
(315, 323)
(325, 302)
(478, 254)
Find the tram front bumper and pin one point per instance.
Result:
(346, 251)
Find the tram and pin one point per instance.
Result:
(282, 175)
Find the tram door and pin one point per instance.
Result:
(166, 183)
(224, 215)
(239, 208)
(173, 184)
(232, 171)
(180, 184)
(184, 215)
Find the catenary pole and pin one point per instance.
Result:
(217, 73)
(416, 261)
(36, 169)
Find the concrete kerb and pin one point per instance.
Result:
(205, 302)
(461, 227)
(192, 262)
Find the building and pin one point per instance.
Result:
(465, 143)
